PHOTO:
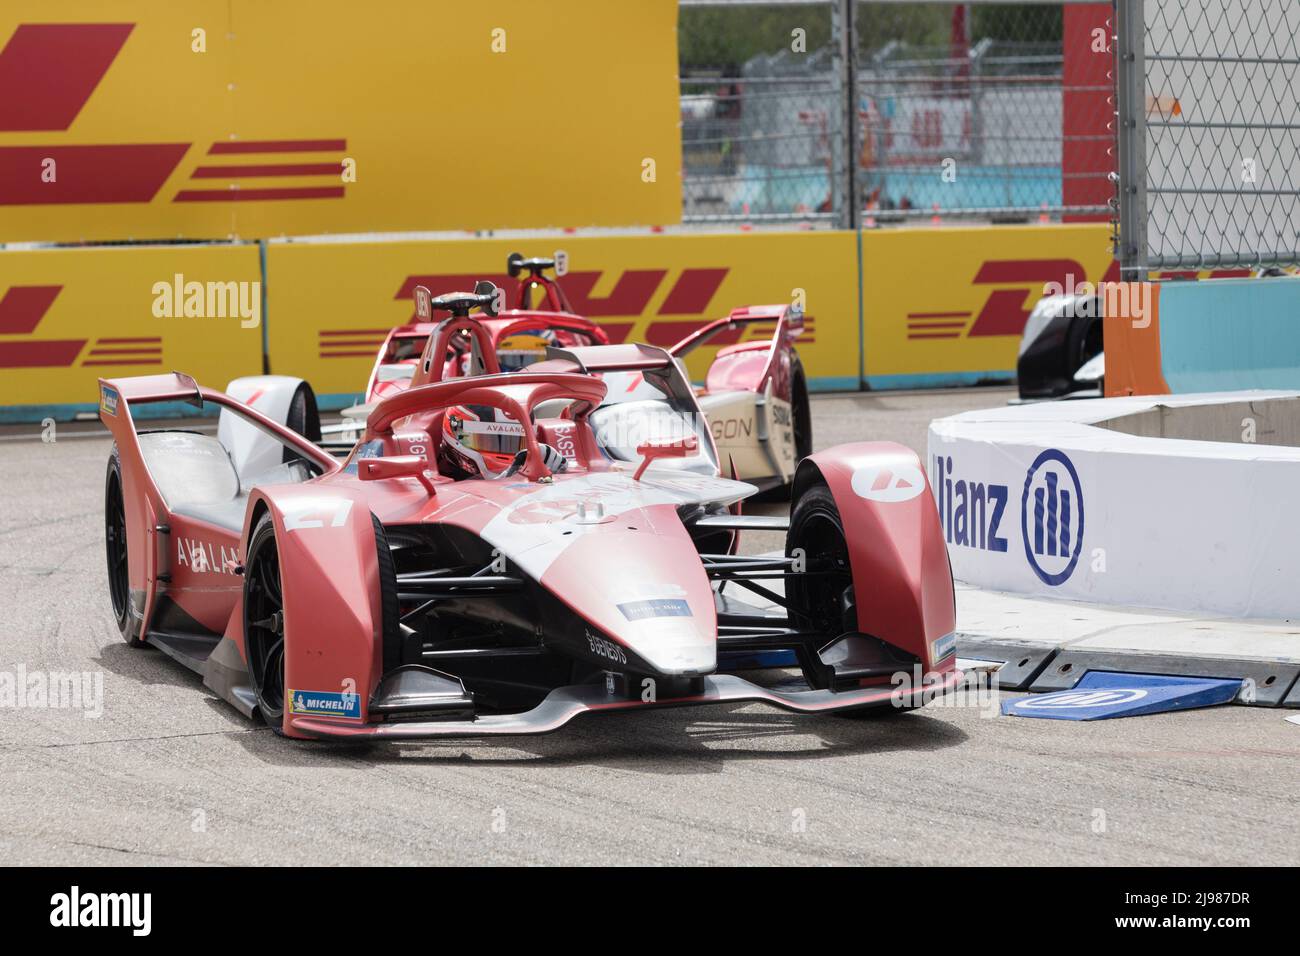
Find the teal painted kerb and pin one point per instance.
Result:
(29, 414)
(940, 379)
(834, 383)
(23, 414)
(1230, 334)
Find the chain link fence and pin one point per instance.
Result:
(1209, 110)
(958, 110)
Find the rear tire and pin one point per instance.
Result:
(303, 417)
(800, 425)
(117, 552)
(1083, 343)
(801, 410)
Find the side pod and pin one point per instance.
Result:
(896, 546)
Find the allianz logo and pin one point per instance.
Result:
(973, 513)
(970, 511)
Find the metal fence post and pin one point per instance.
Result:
(1130, 106)
(844, 117)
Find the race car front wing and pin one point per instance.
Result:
(565, 703)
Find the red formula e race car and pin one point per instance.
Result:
(405, 593)
(754, 397)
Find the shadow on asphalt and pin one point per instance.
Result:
(688, 740)
(148, 665)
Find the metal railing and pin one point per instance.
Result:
(971, 126)
(1209, 129)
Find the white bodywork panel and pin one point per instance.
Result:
(755, 432)
(251, 450)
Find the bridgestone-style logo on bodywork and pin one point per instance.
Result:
(888, 483)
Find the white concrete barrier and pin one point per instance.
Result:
(1084, 501)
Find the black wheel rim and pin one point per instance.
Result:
(115, 546)
(826, 599)
(264, 628)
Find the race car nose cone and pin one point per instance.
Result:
(640, 583)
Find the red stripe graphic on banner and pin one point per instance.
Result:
(52, 354)
(85, 174)
(289, 169)
(257, 195)
(278, 146)
(23, 307)
(49, 70)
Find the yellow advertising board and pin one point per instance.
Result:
(940, 306)
(134, 119)
(70, 316)
(332, 303)
(945, 305)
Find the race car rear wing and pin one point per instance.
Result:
(789, 326)
(611, 358)
(118, 395)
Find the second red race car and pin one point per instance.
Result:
(754, 396)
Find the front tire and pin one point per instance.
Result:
(824, 602)
(264, 623)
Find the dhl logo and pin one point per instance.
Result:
(1020, 283)
(48, 72)
(625, 312)
(21, 310)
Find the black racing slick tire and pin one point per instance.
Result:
(303, 417)
(801, 410)
(824, 602)
(1082, 344)
(264, 623)
(117, 553)
(800, 425)
(392, 614)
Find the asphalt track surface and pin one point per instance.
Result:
(168, 774)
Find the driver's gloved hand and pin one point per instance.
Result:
(551, 458)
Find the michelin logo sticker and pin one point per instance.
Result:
(320, 703)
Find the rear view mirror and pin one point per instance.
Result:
(398, 466)
(671, 449)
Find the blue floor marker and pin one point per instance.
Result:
(1103, 694)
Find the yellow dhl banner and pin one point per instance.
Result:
(947, 305)
(332, 304)
(130, 119)
(70, 316)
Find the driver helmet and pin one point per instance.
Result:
(521, 349)
(478, 441)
